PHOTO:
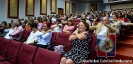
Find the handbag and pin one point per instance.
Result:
(51, 47)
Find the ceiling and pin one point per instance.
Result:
(87, 0)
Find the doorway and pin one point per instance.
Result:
(94, 6)
(60, 11)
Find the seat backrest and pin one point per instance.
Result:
(12, 50)
(76, 23)
(54, 34)
(92, 46)
(76, 20)
(44, 56)
(1, 38)
(26, 54)
(63, 39)
(3, 47)
(26, 33)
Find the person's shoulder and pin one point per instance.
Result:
(100, 23)
(88, 34)
(65, 25)
(38, 31)
(60, 24)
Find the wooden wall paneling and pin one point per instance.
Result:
(43, 7)
(53, 6)
(13, 9)
(73, 8)
(30, 5)
(67, 7)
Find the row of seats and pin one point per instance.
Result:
(25, 54)
(14, 52)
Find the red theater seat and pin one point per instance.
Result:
(12, 52)
(3, 46)
(1, 38)
(26, 33)
(62, 39)
(76, 23)
(26, 54)
(126, 20)
(92, 46)
(44, 56)
(76, 20)
(54, 34)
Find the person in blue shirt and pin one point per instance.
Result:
(44, 37)
(7, 29)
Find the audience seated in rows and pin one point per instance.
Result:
(117, 24)
(42, 28)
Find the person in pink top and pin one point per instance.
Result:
(69, 28)
(17, 32)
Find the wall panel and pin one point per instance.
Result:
(43, 7)
(30, 4)
(13, 9)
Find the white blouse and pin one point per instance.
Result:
(32, 37)
(7, 35)
(57, 28)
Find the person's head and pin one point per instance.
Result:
(70, 22)
(13, 25)
(22, 19)
(18, 23)
(22, 22)
(107, 15)
(46, 27)
(34, 18)
(106, 20)
(11, 21)
(48, 21)
(4, 24)
(115, 17)
(58, 21)
(36, 21)
(125, 12)
(119, 14)
(83, 26)
(34, 26)
(8, 25)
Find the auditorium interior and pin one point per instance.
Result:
(66, 31)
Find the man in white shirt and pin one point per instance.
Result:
(33, 35)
